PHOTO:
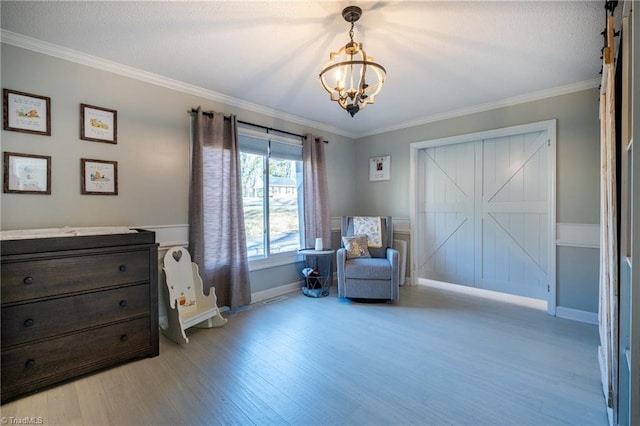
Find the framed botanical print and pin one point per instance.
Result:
(98, 124)
(27, 173)
(99, 177)
(27, 113)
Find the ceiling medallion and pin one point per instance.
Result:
(346, 73)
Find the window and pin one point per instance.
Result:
(272, 195)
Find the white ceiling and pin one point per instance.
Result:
(442, 57)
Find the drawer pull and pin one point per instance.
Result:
(123, 338)
(28, 280)
(123, 268)
(123, 303)
(28, 322)
(30, 363)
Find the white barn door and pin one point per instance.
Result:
(447, 211)
(514, 209)
(484, 210)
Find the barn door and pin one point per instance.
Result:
(484, 211)
(514, 210)
(447, 209)
(609, 286)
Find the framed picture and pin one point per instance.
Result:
(27, 173)
(24, 112)
(99, 177)
(98, 124)
(380, 168)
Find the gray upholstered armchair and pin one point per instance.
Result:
(375, 277)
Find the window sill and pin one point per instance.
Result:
(274, 261)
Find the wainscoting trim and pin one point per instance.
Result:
(169, 235)
(335, 223)
(578, 235)
(568, 234)
(401, 225)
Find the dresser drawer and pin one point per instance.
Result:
(32, 321)
(39, 364)
(47, 277)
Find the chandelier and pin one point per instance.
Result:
(352, 78)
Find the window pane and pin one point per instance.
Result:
(284, 223)
(253, 199)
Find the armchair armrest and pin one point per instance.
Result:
(393, 256)
(341, 257)
(341, 254)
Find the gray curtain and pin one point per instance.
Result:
(217, 240)
(317, 222)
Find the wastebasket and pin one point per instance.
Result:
(315, 285)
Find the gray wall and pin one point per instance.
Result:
(152, 151)
(152, 155)
(578, 181)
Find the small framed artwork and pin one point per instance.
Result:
(27, 173)
(98, 124)
(24, 112)
(380, 168)
(99, 177)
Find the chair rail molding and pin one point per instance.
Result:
(578, 235)
(401, 225)
(168, 236)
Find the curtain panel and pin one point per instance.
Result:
(217, 240)
(317, 222)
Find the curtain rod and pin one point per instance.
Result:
(268, 129)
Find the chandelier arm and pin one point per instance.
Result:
(356, 62)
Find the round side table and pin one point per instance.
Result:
(318, 284)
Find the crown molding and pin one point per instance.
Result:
(71, 55)
(501, 103)
(50, 49)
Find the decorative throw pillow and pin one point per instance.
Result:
(356, 246)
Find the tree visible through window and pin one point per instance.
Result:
(272, 195)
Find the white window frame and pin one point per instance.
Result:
(278, 259)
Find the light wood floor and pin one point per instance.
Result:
(434, 358)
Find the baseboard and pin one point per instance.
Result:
(256, 297)
(577, 315)
(259, 296)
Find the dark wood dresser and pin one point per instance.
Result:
(72, 305)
